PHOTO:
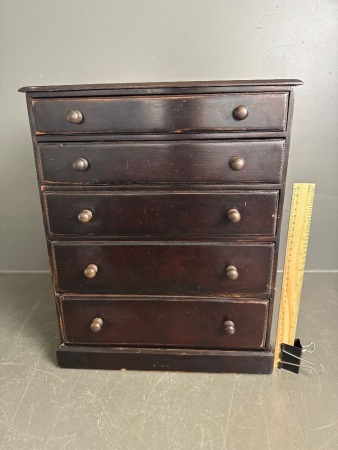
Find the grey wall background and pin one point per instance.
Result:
(86, 41)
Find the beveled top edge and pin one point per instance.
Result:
(178, 84)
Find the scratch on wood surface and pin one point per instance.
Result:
(266, 427)
(264, 414)
(230, 408)
(219, 427)
(11, 364)
(51, 373)
(28, 317)
(19, 332)
(153, 388)
(324, 426)
(27, 386)
(20, 433)
(295, 416)
(62, 409)
(306, 417)
(72, 436)
(59, 438)
(108, 419)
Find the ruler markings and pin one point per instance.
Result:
(295, 256)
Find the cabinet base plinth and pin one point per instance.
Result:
(157, 359)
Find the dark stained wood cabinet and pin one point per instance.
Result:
(162, 206)
(130, 213)
(163, 267)
(179, 322)
(180, 161)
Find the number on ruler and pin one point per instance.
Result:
(296, 247)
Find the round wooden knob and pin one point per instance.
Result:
(90, 271)
(234, 216)
(237, 163)
(74, 116)
(96, 325)
(80, 164)
(240, 113)
(85, 216)
(232, 272)
(229, 327)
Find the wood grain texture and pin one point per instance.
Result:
(160, 162)
(170, 113)
(163, 267)
(158, 186)
(232, 361)
(163, 213)
(178, 322)
(247, 84)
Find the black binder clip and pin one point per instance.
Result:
(291, 357)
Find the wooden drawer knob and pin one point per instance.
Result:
(240, 113)
(85, 216)
(80, 164)
(90, 271)
(229, 327)
(96, 325)
(234, 215)
(232, 272)
(237, 163)
(74, 116)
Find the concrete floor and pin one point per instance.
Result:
(43, 407)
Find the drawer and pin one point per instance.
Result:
(162, 213)
(163, 267)
(169, 162)
(180, 322)
(160, 114)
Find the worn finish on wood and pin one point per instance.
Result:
(153, 114)
(177, 322)
(168, 268)
(163, 137)
(155, 406)
(177, 85)
(159, 162)
(162, 205)
(161, 213)
(240, 361)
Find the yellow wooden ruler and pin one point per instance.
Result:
(295, 255)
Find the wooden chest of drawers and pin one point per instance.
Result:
(162, 206)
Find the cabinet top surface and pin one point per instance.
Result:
(161, 85)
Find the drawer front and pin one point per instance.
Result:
(165, 213)
(163, 268)
(169, 162)
(157, 114)
(177, 322)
